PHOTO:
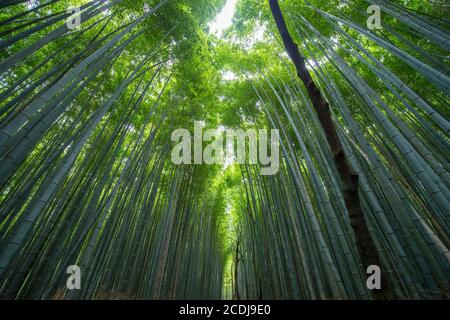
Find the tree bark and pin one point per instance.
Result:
(237, 296)
(366, 247)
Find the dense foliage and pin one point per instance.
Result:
(86, 176)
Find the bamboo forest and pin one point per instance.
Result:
(119, 125)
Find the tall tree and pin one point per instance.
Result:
(366, 246)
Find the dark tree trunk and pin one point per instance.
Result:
(237, 296)
(366, 247)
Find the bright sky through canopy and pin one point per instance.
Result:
(223, 20)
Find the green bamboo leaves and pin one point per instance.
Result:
(84, 146)
(297, 221)
(86, 177)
